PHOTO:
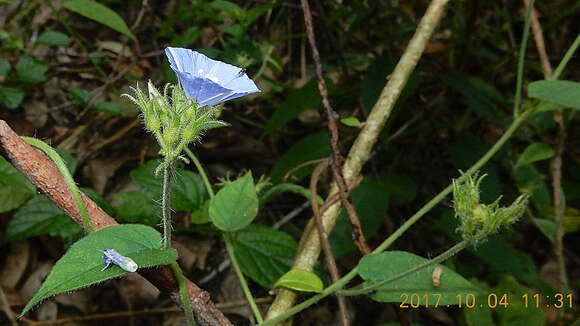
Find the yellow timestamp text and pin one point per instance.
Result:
(491, 300)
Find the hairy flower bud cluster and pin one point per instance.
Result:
(477, 220)
(174, 118)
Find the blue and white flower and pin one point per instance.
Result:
(208, 81)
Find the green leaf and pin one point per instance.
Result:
(235, 205)
(264, 253)
(81, 264)
(187, 191)
(52, 38)
(547, 227)
(298, 101)
(531, 181)
(80, 96)
(11, 97)
(201, 216)
(307, 149)
(535, 152)
(563, 92)
(377, 267)
(30, 70)
(136, 207)
(371, 200)
(15, 189)
(101, 14)
(41, 216)
(479, 316)
(301, 280)
(4, 67)
(477, 95)
(351, 122)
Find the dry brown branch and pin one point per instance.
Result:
(44, 174)
(336, 158)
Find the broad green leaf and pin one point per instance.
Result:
(11, 97)
(80, 96)
(309, 148)
(201, 215)
(235, 205)
(136, 207)
(563, 92)
(264, 253)
(101, 14)
(255, 13)
(377, 267)
(535, 152)
(41, 216)
(351, 122)
(81, 264)
(477, 95)
(371, 200)
(30, 70)
(15, 189)
(300, 280)
(547, 227)
(296, 102)
(52, 38)
(187, 191)
(4, 67)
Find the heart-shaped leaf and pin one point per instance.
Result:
(81, 264)
(235, 205)
(264, 253)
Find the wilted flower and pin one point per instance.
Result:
(480, 220)
(208, 81)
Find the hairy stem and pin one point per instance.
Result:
(166, 204)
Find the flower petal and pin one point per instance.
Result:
(208, 81)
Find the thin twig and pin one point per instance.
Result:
(336, 158)
(540, 44)
(556, 164)
(333, 269)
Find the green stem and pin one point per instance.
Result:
(444, 256)
(230, 248)
(287, 187)
(166, 204)
(521, 58)
(76, 194)
(184, 294)
(395, 235)
(201, 172)
(569, 54)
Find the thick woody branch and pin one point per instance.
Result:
(44, 174)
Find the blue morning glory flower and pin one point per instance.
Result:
(208, 81)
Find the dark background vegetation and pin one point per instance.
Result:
(65, 88)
